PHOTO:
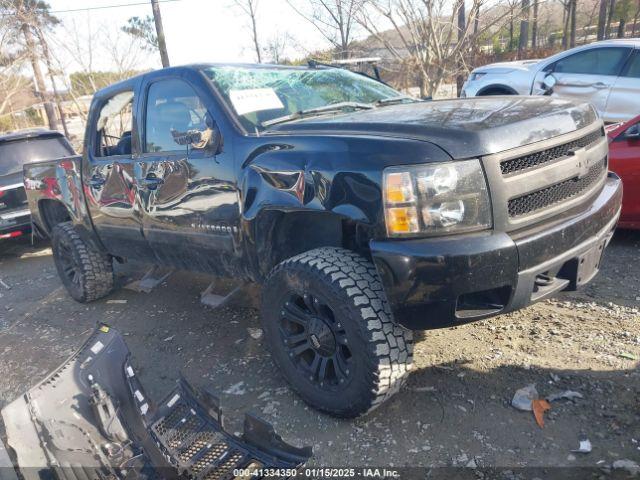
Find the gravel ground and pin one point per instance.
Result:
(454, 411)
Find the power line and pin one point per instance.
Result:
(104, 7)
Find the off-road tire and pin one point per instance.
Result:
(93, 268)
(382, 350)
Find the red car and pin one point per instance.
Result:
(624, 159)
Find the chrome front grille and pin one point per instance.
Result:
(554, 194)
(549, 155)
(535, 182)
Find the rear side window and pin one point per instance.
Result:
(596, 61)
(173, 110)
(113, 128)
(14, 154)
(633, 69)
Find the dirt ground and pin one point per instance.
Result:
(455, 410)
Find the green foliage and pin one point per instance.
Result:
(625, 9)
(6, 124)
(38, 10)
(143, 29)
(34, 118)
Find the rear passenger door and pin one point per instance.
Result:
(624, 101)
(189, 198)
(109, 174)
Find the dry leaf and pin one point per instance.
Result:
(539, 407)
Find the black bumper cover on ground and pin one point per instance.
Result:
(440, 282)
(91, 419)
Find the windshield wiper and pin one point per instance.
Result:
(334, 107)
(393, 100)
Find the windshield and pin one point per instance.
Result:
(261, 94)
(14, 154)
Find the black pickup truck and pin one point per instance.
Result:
(16, 149)
(364, 214)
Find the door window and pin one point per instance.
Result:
(633, 68)
(596, 61)
(113, 128)
(175, 117)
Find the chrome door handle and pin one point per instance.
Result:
(600, 85)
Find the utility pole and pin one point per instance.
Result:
(162, 44)
(39, 79)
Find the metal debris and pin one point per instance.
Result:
(255, 333)
(567, 395)
(523, 398)
(629, 465)
(585, 447)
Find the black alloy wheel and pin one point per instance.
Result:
(315, 340)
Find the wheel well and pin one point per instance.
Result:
(53, 213)
(497, 90)
(282, 235)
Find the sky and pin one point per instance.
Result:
(195, 30)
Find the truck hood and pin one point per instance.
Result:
(464, 128)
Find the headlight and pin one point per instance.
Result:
(436, 198)
(477, 76)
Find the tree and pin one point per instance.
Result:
(143, 29)
(534, 25)
(572, 31)
(421, 35)
(569, 23)
(334, 19)
(52, 77)
(523, 42)
(602, 19)
(612, 6)
(23, 18)
(276, 46)
(461, 30)
(512, 6)
(250, 8)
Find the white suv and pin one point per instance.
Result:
(606, 73)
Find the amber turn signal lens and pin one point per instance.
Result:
(402, 220)
(399, 188)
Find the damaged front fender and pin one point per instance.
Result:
(91, 419)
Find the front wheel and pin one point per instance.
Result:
(86, 273)
(329, 328)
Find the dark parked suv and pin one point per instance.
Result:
(16, 149)
(365, 214)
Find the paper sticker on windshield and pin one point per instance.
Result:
(254, 100)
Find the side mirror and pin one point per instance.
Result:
(632, 133)
(548, 83)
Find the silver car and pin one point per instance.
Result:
(606, 73)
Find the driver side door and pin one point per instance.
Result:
(189, 199)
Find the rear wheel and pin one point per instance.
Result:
(86, 273)
(330, 331)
